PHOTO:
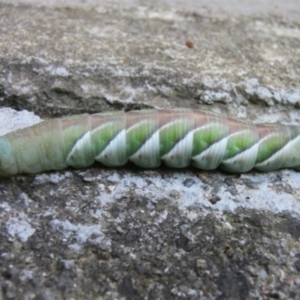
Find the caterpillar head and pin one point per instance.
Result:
(8, 164)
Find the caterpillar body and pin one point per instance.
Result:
(177, 137)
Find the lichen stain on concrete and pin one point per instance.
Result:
(18, 226)
(81, 233)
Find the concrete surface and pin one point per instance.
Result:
(128, 233)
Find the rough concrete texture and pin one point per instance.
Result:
(128, 233)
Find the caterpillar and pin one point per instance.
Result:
(176, 137)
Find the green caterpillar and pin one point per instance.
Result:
(177, 137)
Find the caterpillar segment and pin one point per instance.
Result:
(177, 138)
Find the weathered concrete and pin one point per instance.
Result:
(163, 234)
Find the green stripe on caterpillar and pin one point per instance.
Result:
(176, 137)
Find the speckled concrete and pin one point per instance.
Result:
(128, 233)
